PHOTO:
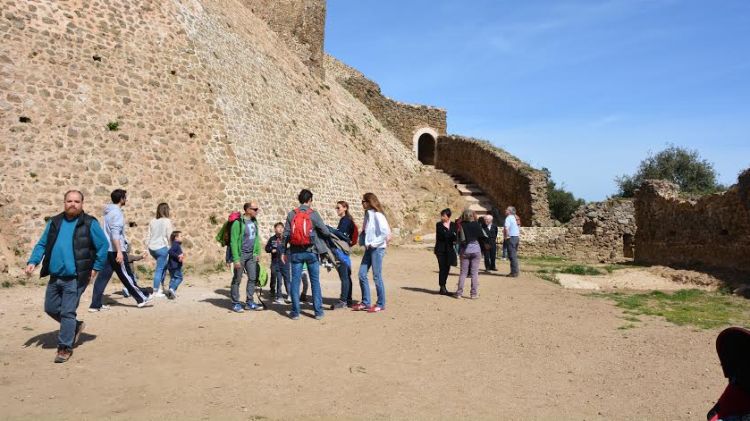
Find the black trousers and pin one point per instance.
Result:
(444, 265)
(490, 257)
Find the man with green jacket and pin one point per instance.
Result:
(244, 241)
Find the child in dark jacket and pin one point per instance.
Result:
(176, 257)
(280, 272)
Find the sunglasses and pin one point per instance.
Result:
(254, 209)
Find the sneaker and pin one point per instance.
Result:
(278, 301)
(359, 307)
(474, 297)
(457, 296)
(287, 300)
(159, 294)
(237, 308)
(125, 293)
(294, 316)
(303, 298)
(338, 305)
(170, 294)
(375, 309)
(102, 308)
(63, 354)
(148, 301)
(319, 317)
(253, 306)
(79, 329)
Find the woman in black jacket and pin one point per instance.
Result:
(445, 240)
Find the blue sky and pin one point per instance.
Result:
(584, 88)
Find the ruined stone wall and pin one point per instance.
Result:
(195, 103)
(711, 232)
(504, 178)
(403, 120)
(300, 23)
(598, 232)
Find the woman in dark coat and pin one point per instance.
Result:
(445, 240)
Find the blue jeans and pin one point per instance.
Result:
(345, 275)
(313, 268)
(175, 278)
(60, 302)
(280, 276)
(372, 258)
(162, 257)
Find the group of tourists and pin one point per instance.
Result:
(74, 249)
(467, 240)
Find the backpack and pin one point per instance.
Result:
(224, 234)
(355, 235)
(302, 227)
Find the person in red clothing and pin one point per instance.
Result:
(733, 347)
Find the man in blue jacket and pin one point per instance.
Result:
(72, 250)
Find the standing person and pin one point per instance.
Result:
(348, 227)
(157, 241)
(117, 256)
(374, 237)
(245, 244)
(72, 249)
(512, 232)
(303, 231)
(176, 259)
(470, 252)
(490, 245)
(279, 269)
(445, 241)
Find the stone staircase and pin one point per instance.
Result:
(474, 196)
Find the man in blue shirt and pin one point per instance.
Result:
(512, 232)
(72, 250)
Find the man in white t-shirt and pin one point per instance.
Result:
(512, 232)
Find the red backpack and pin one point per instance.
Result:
(302, 227)
(355, 235)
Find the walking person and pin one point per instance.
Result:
(347, 227)
(174, 265)
(117, 256)
(512, 232)
(445, 251)
(280, 270)
(374, 237)
(470, 252)
(303, 231)
(245, 244)
(72, 249)
(490, 231)
(158, 243)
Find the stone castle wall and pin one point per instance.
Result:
(300, 23)
(403, 120)
(598, 232)
(504, 178)
(211, 109)
(711, 232)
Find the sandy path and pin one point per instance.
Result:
(526, 348)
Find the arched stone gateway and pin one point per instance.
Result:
(425, 146)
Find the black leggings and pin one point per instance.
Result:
(444, 263)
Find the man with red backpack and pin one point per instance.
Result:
(302, 232)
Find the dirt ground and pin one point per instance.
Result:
(525, 349)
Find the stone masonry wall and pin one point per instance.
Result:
(403, 120)
(711, 232)
(195, 103)
(505, 179)
(598, 232)
(300, 23)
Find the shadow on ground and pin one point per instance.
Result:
(49, 340)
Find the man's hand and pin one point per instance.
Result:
(93, 274)
(29, 269)
(274, 251)
(283, 258)
(237, 265)
(119, 257)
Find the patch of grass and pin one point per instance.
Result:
(113, 126)
(6, 284)
(613, 267)
(542, 259)
(213, 219)
(626, 326)
(693, 307)
(581, 270)
(548, 276)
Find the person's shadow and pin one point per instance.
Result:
(49, 340)
(224, 302)
(422, 290)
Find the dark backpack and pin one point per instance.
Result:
(302, 227)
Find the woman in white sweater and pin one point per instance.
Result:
(157, 242)
(374, 237)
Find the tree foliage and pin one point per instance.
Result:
(681, 166)
(562, 203)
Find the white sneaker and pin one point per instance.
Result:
(159, 294)
(104, 307)
(148, 301)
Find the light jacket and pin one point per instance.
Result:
(376, 230)
(114, 227)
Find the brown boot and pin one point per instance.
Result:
(63, 354)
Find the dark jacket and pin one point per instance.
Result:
(174, 256)
(84, 249)
(276, 242)
(472, 232)
(346, 226)
(491, 233)
(445, 238)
